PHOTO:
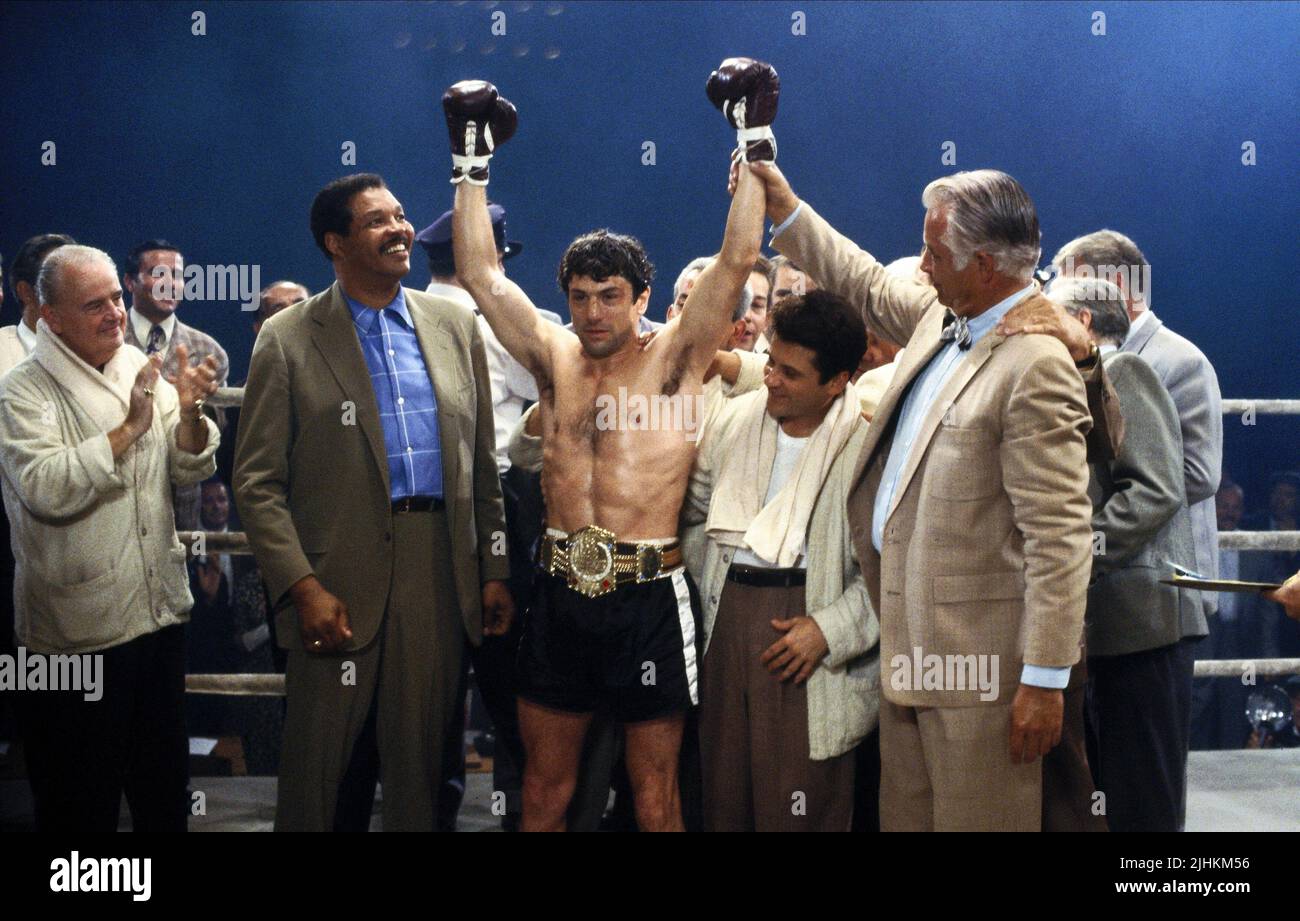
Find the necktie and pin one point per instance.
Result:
(155, 342)
(956, 329)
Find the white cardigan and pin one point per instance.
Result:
(844, 690)
(12, 350)
(98, 560)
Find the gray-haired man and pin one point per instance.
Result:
(1140, 633)
(968, 508)
(1182, 368)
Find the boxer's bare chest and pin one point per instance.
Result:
(619, 441)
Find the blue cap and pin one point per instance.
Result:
(436, 238)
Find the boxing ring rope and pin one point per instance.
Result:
(233, 396)
(249, 685)
(262, 685)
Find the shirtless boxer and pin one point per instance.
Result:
(620, 635)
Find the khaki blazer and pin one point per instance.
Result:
(987, 549)
(311, 476)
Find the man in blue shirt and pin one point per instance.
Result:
(367, 482)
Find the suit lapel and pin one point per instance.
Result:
(915, 357)
(336, 338)
(1139, 341)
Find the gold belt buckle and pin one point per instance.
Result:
(591, 561)
(649, 562)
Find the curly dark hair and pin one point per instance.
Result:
(826, 324)
(603, 254)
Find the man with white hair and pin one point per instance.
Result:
(91, 441)
(969, 509)
(1140, 633)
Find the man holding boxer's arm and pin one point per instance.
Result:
(616, 620)
(969, 508)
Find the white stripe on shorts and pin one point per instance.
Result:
(686, 619)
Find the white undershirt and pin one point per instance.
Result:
(788, 451)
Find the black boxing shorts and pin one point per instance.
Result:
(633, 652)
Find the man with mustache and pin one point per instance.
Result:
(367, 483)
(616, 624)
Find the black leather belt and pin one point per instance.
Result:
(767, 578)
(417, 504)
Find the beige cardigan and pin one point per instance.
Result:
(11, 348)
(844, 691)
(98, 561)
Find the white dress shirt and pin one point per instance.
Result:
(142, 327)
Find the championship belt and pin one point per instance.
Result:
(594, 562)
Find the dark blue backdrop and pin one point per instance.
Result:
(218, 142)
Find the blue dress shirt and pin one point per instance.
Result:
(408, 406)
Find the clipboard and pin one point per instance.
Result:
(1185, 578)
(1220, 585)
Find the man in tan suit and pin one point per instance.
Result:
(368, 486)
(969, 510)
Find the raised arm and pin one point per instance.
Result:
(479, 120)
(890, 306)
(524, 333)
(706, 315)
(746, 92)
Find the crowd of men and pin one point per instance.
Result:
(840, 545)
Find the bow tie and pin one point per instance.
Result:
(956, 329)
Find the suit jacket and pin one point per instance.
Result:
(1190, 379)
(987, 548)
(311, 476)
(1140, 510)
(199, 343)
(843, 693)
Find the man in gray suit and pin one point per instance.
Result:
(1140, 633)
(1183, 370)
(367, 483)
